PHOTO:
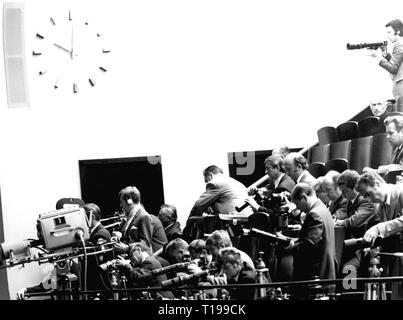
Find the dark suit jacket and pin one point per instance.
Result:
(361, 215)
(397, 156)
(159, 238)
(140, 228)
(286, 184)
(100, 232)
(338, 208)
(173, 231)
(222, 195)
(314, 252)
(141, 276)
(247, 293)
(94, 281)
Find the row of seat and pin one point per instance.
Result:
(319, 169)
(371, 151)
(351, 130)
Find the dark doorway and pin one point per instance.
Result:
(102, 179)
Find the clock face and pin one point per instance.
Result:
(70, 54)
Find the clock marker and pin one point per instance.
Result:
(106, 50)
(92, 82)
(42, 72)
(34, 53)
(39, 36)
(56, 86)
(75, 87)
(103, 69)
(52, 21)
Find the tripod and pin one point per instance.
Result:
(375, 291)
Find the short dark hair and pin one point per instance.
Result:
(300, 189)
(349, 178)
(276, 160)
(212, 169)
(396, 25)
(94, 209)
(397, 120)
(130, 192)
(169, 211)
(370, 178)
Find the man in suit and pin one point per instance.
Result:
(279, 181)
(222, 193)
(138, 225)
(168, 216)
(393, 62)
(237, 272)
(394, 134)
(389, 197)
(220, 239)
(296, 166)
(139, 269)
(360, 211)
(98, 235)
(337, 203)
(97, 231)
(314, 251)
(361, 214)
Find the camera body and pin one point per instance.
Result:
(109, 265)
(62, 228)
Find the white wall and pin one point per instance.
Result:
(190, 80)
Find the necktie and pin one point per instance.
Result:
(349, 208)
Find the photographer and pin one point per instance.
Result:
(138, 269)
(279, 180)
(394, 34)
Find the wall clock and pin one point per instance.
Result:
(71, 52)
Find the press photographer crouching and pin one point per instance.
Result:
(237, 272)
(138, 270)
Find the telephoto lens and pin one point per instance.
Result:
(108, 265)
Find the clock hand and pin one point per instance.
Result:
(61, 47)
(72, 42)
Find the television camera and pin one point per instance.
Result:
(58, 231)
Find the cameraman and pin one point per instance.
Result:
(394, 34)
(138, 269)
(279, 180)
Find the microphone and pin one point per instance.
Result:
(181, 280)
